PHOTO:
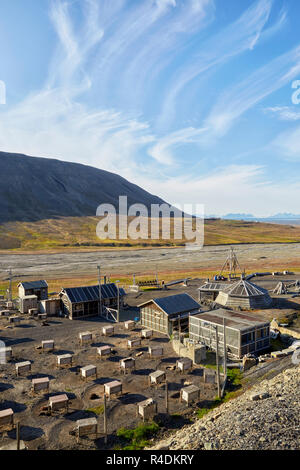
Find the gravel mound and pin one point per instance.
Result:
(266, 417)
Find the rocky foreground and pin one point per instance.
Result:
(267, 417)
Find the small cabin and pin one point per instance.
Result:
(168, 314)
(78, 302)
(36, 288)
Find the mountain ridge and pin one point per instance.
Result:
(37, 188)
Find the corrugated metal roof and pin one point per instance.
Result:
(174, 304)
(33, 284)
(244, 289)
(236, 320)
(91, 293)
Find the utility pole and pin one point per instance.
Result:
(225, 348)
(100, 293)
(10, 285)
(18, 435)
(105, 418)
(217, 363)
(118, 305)
(167, 396)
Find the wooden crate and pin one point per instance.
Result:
(104, 351)
(190, 394)
(156, 377)
(58, 402)
(23, 367)
(40, 384)
(113, 388)
(48, 345)
(134, 343)
(88, 371)
(127, 364)
(64, 360)
(6, 418)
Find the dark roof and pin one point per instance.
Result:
(91, 293)
(174, 304)
(33, 284)
(244, 289)
(235, 320)
(212, 287)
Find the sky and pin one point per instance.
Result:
(196, 101)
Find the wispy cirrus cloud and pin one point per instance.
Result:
(161, 151)
(284, 113)
(121, 69)
(244, 95)
(238, 37)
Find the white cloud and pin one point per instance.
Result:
(287, 144)
(284, 113)
(233, 189)
(257, 86)
(115, 48)
(236, 38)
(161, 151)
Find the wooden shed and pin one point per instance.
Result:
(36, 288)
(78, 302)
(245, 332)
(168, 314)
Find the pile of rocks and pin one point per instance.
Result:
(265, 417)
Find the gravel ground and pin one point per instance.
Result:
(266, 417)
(251, 257)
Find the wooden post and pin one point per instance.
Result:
(118, 315)
(167, 397)
(217, 363)
(225, 348)
(105, 419)
(100, 293)
(18, 435)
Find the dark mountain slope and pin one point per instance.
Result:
(33, 188)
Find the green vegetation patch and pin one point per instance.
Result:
(138, 438)
(98, 410)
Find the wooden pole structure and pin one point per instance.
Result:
(225, 347)
(105, 419)
(217, 363)
(167, 397)
(100, 293)
(118, 314)
(18, 435)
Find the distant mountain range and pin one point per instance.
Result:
(280, 218)
(33, 189)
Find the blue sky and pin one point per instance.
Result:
(190, 99)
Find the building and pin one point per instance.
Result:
(38, 288)
(244, 294)
(245, 333)
(210, 290)
(84, 301)
(27, 303)
(51, 307)
(168, 314)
